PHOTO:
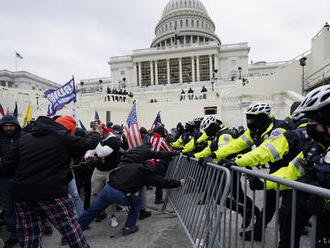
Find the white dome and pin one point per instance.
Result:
(174, 5)
(191, 19)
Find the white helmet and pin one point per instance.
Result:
(315, 100)
(190, 123)
(258, 108)
(198, 119)
(207, 121)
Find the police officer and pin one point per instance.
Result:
(186, 136)
(311, 166)
(261, 127)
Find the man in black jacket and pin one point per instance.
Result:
(133, 173)
(41, 160)
(10, 131)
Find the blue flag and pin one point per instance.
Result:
(61, 96)
(15, 114)
(96, 118)
(157, 122)
(82, 126)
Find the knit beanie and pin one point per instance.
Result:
(68, 122)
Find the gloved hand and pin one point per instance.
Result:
(256, 183)
(214, 146)
(189, 156)
(227, 163)
(315, 204)
(202, 162)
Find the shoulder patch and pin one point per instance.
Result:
(277, 132)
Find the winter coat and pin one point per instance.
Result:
(41, 160)
(134, 171)
(6, 142)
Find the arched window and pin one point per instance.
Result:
(192, 22)
(166, 27)
(181, 23)
(171, 26)
(197, 23)
(187, 23)
(202, 24)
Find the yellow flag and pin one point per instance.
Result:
(28, 115)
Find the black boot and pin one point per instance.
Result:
(10, 243)
(256, 236)
(144, 214)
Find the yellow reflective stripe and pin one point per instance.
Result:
(298, 163)
(273, 151)
(246, 139)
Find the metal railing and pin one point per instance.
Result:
(216, 207)
(200, 204)
(270, 232)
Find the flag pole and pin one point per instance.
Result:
(15, 62)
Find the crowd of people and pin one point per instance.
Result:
(49, 166)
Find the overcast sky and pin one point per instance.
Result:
(60, 38)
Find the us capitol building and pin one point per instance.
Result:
(186, 72)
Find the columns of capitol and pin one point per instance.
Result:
(197, 65)
(140, 75)
(168, 70)
(151, 74)
(180, 70)
(211, 67)
(193, 76)
(156, 72)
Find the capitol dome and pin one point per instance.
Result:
(190, 20)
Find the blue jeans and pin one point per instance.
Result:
(73, 191)
(107, 196)
(8, 204)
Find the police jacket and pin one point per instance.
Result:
(198, 143)
(278, 149)
(183, 140)
(223, 137)
(246, 140)
(41, 160)
(311, 166)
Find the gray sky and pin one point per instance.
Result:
(60, 38)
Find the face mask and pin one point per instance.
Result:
(320, 137)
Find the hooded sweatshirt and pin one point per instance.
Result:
(7, 141)
(41, 160)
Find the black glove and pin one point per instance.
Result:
(315, 204)
(256, 183)
(189, 156)
(227, 163)
(214, 146)
(202, 162)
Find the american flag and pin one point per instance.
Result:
(132, 130)
(157, 122)
(19, 56)
(176, 30)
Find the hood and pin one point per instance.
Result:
(44, 125)
(9, 119)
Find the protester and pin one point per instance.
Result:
(108, 156)
(10, 131)
(42, 191)
(126, 180)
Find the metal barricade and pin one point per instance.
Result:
(243, 205)
(200, 204)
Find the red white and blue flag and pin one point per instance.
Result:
(157, 122)
(132, 130)
(176, 30)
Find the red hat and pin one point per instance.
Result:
(68, 122)
(105, 128)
